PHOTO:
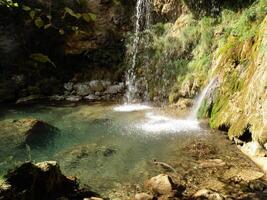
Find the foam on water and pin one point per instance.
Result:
(131, 108)
(161, 124)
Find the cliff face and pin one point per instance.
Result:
(240, 102)
(225, 43)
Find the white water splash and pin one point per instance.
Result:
(199, 100)
(142, 19)
(131, 108)
(159, 124)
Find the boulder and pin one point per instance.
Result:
(161, 185)
(41, 181)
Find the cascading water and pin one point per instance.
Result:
(142, 22)
(200, 99)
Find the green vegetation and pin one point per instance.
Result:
(185, 55)
(8, 3)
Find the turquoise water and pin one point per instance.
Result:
(107, 149)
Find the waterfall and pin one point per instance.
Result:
(142, 22)
(200, 99)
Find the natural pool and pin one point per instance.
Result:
(111, 148)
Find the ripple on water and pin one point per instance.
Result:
(131, 107)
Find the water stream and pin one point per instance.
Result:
(142, 22)
(200, 99)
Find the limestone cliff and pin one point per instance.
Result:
(225, 41)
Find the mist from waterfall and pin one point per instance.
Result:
(142, 23)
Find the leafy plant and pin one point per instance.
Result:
(41, 58)
(8, 3)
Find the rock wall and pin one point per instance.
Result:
(228, 45)
(241, 100)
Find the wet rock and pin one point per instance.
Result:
(41, 181)
(143, 196)
(114, 89)
(73, 98)
(207, 194)
(161, 184)
(17, 133)
(97, 86)
(82, 89)
(68, 86)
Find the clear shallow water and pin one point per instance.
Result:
(107, 149)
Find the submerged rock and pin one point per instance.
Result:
(17, 133)
(76, 153)
(41, 181)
